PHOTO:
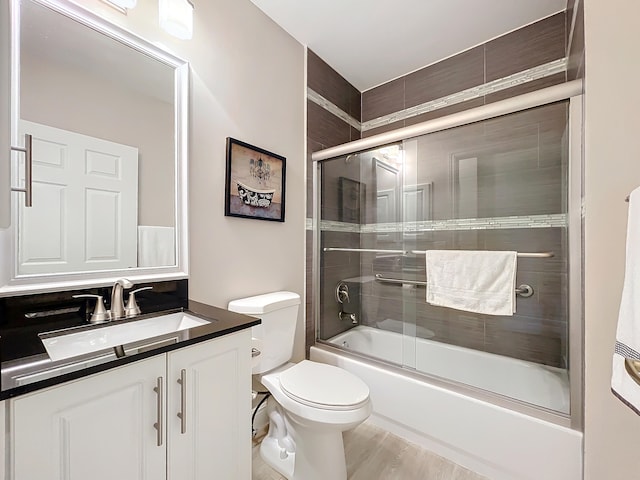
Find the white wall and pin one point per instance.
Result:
(248, 83)
(612, 170)
(111, 111)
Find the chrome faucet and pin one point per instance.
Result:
(117, 302)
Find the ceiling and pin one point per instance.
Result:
(370, 42)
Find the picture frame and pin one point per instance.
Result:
(351, 200)
(254, 182)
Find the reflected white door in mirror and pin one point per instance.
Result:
(85, 212)
(108, 114)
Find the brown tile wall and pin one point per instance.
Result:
(575, 34)
(533, 45)
(323, 79)
(325, 130)
(530, 46)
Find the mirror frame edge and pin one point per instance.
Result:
(5, 115)
(13, 284)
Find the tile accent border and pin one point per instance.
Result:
(529, 75)
(318, 99)
(558, 220)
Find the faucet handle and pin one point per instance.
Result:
(100, 314)
(132, 309)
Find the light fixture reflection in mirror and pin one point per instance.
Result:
(176, 18)
(107, 113)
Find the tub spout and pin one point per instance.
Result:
(349, 316)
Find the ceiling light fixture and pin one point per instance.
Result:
(176, 17)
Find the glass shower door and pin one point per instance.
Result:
(500, 184)
(361, 245)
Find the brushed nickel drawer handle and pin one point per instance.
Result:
(28, 169)
(182, 414)
(160, 405)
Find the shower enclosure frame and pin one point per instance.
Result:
(571, 91)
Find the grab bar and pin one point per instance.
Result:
(523, 290)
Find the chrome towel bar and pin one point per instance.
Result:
(364, 250)
(422, 252)
(523, 290)
(520, 254)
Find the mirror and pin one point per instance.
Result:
(107, 112)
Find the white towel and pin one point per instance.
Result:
(474, 281)
(156, 246)
(628, 332)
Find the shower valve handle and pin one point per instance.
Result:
(342, 293)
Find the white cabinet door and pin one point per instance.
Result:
(215, 440)
(98, 428)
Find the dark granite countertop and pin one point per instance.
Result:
(31, 373)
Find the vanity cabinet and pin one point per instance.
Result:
(104, 426)
(100, 427)
(213, 437)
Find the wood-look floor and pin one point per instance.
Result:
(375, 454)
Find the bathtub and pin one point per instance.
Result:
(529, 382)
(495, 441)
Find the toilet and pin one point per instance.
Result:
(311, 403)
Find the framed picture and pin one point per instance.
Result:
(255, 182)
(351, 200)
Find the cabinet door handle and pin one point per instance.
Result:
(160, 405)
(182, 414)
(28, 168)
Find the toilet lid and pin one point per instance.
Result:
(323, 386)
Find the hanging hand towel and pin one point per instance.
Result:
(474, 281)
(628, 333)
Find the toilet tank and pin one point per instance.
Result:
(274, 337)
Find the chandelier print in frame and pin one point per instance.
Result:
(255, 181)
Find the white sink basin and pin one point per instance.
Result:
(114, 334)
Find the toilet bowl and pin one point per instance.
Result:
(311, 404)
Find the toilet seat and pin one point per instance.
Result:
(323, 386)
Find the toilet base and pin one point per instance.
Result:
(272, 455)
(318, 454)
